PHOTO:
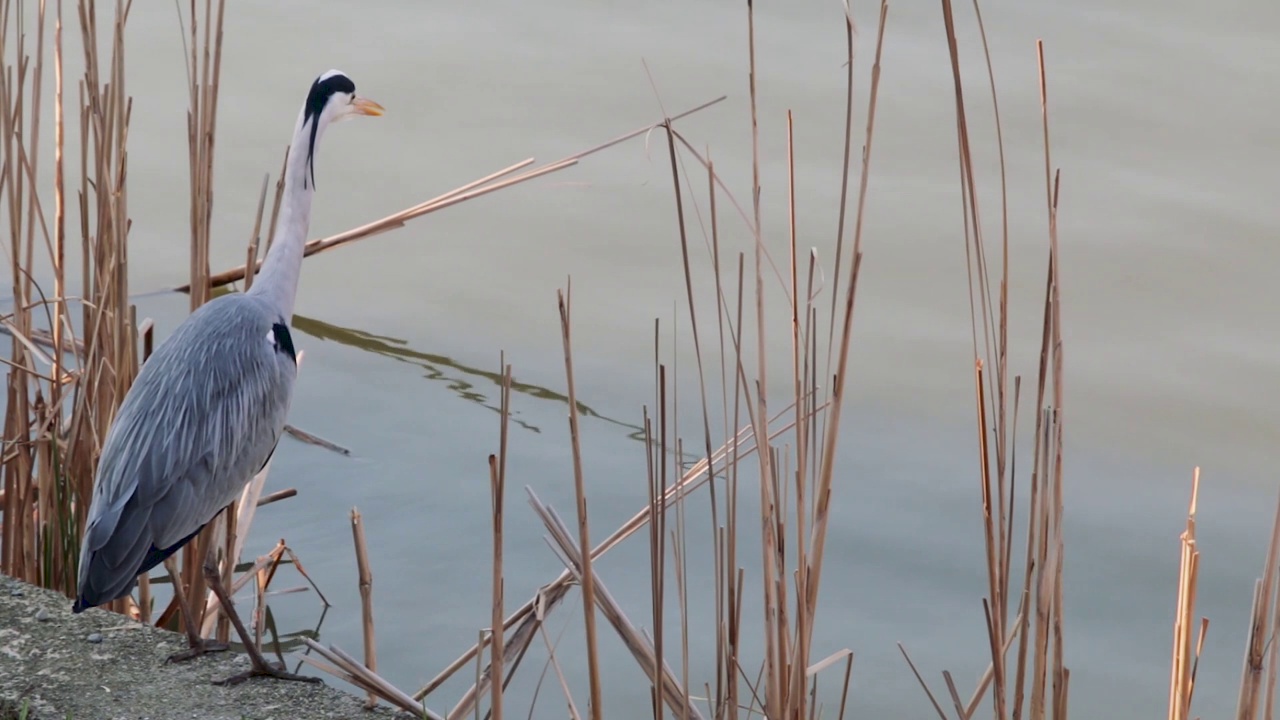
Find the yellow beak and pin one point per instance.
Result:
(365, 106)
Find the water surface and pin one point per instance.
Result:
(1162, 123)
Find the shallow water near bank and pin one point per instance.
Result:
(1161, 123)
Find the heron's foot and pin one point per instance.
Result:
(201, 647)
(266, 670)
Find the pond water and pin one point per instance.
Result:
(1162, 117)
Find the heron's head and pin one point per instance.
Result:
(332, 99)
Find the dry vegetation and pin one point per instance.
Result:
(73, 357)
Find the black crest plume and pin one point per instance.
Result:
(321, 90)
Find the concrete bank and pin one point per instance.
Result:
(47, 658)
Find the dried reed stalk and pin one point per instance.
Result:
(552, 593)
(786, 661)
(657, 476)
(672, 692)
(268, 563)
(996, 420)
(596, 707)
(316, 440)
(1264, 626)
(276, 496)
(554, 663)
(204, 66)
(516, 645)
(347, 668)
(366, 598)
(822, 493)
(203, 73)
(774, 631)
(474, 189)
(42, 338)
(1185, 660)
(59, 320)
(785, 688)
(497, 485)
(260, 582)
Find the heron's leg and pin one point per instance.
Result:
(260, 668)
(197, 645)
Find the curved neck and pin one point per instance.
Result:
(277, 281)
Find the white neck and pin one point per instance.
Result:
(277, 281)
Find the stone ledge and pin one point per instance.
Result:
(46, 658)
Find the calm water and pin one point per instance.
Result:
(1163, 125)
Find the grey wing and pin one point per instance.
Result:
(202, 417)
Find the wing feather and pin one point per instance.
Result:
(202, 416)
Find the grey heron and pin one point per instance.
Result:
(207, 409)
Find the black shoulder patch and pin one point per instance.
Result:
(284, 341)
(321, 90)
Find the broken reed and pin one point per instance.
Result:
(1261, 662)
(1183, 671)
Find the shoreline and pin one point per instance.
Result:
(47, 659)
